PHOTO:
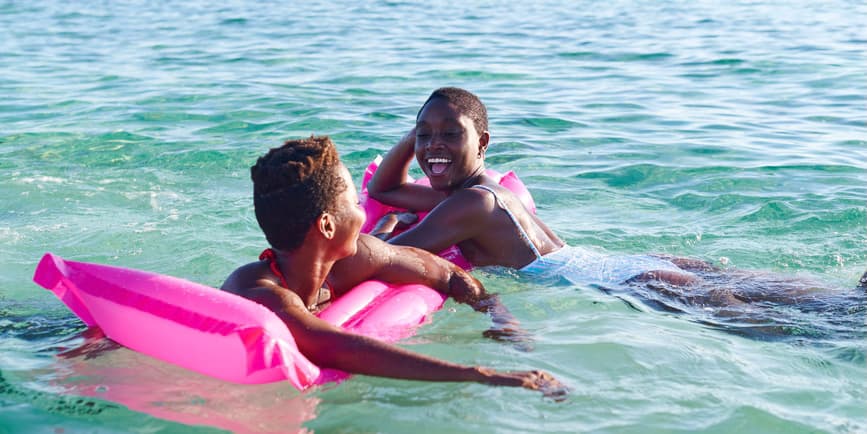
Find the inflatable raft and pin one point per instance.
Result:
(217, 333)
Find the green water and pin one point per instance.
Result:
(730, 132)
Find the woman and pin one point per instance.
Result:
(492, 227)
(307, 207)
(467, 207)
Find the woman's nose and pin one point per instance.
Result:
(436, 141)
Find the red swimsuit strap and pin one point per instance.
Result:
(271, 257)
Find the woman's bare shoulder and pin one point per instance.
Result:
(245, 277)
(470, 200)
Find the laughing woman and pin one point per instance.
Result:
(491, 226)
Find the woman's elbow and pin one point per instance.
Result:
(374, 193)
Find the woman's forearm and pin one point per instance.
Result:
(390, 185)
(329, 346)
(466, 289)
(362, 355)
(394, 167)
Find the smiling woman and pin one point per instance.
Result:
(445, 126)
(467, 206)
(491, 226)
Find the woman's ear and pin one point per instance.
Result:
(484, 138)
(326, 225)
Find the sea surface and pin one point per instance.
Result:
(734, 132)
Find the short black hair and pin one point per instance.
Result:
(466, 101)
(292, 186)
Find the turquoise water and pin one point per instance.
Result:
(729, 132)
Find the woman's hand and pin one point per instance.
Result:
(464, 288)
(513, 334)
(391, 185)
(393, 221)
(533, 380)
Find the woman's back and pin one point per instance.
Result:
(511, 236)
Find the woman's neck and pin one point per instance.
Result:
(474, 179)
(304, 272)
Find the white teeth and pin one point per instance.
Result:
(438, 160)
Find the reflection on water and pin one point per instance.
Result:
(100, 368)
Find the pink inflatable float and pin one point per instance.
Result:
(375, 209)
(217, 333)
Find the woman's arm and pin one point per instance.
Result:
(331, 347)
(378, 260)
(463, 216)
(391, 222)
(388, 184)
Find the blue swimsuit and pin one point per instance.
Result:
(584, 266)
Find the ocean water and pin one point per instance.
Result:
(729, 131)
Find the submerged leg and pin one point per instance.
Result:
(688, 264)
(755, 304)
(670, 277)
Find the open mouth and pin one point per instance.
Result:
(438, 166)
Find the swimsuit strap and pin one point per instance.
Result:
(521, 230)
(268, 255)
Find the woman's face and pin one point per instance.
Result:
(447, 146)
(348, 216)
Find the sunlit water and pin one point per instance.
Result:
(728, 131)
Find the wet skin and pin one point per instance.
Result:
(450, 151)
(334, 252)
